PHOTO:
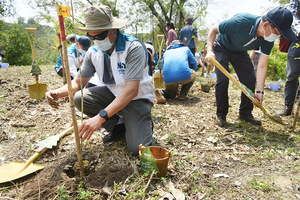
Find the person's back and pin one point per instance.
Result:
(188, 35)
(179, 66)
(176, 64)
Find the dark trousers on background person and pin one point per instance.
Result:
(243, 67)
(292, 72)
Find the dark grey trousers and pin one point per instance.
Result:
(292, 72)
(136, 115)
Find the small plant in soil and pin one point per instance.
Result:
(83, 193)
(263, 186)
(62, 194)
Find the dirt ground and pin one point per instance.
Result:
(239, 161)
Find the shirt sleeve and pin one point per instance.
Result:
(87, 67)
(195, 32)
(136, 61)
(192, 61)
(266, 47)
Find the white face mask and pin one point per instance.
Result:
(83, 52)
(272, 37)
(104, 45)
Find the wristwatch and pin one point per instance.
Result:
(103, 114)
(260, 92)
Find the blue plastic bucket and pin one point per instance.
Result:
(213, 75)
(4, 65)
(274, 86)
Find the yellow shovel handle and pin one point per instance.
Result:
(160, 44)
(32, 44)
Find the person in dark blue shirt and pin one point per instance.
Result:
(188, 35)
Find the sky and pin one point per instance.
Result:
(217, 12)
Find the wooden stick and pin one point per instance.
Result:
(62, 60)
(149, 181)
(296, 116)
(70, 92)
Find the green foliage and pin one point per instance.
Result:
(62, 194)
(16, 45)
(276, 64)
(6, 8)
(83, 194)
(262, 185)
(14, 41)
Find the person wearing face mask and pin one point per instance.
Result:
(229, 41)
(83, 44)
(122, 105)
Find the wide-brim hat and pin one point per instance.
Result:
(99, 18)
(282, 19)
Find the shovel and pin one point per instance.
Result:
(36, 91)
(158, 80)
(244, 89)
(18, 169)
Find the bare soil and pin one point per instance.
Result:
(238, 161)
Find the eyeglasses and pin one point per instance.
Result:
(100, 36)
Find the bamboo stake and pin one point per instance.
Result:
(62, 60)
(70, 91)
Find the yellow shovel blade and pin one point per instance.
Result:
(37, 91)
(14, 170)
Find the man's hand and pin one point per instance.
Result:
(259, 97)
(208, 56)
(52, 98)
(88, 127)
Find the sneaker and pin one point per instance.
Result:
(115, 134)
(159, 98)
(250, 119)
(183, 98)
(221, 121)
(286, 110)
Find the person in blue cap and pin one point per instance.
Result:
(293, 63)
(83, 44)
(235, 36)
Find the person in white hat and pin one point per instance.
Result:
(124, 103)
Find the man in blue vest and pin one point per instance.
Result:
(235, 36)
(123, 103)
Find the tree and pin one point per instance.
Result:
(154, 14)
(13, 39)
(6, 8)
